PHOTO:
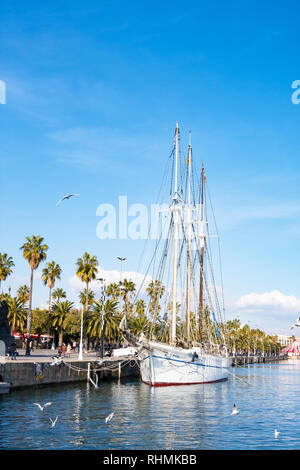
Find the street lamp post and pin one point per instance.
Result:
(81, 335)
(121, 260)
(103, 316)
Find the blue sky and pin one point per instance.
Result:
(93, 92)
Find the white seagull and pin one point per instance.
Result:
(109, 417)
(276, 433)
(66, 197)
(53, 422)
(56, 361)
(234, 410)
(42, 407)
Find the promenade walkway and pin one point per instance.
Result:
(45, 355)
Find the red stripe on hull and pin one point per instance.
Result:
(169, 384)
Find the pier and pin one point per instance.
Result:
(41, 369)
(245, 360)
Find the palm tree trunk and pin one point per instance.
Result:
(86, 341)
(61, 337)
(49, 310)
(29, 316)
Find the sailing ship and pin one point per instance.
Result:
(192, 351)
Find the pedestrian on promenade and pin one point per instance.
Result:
(13, 351)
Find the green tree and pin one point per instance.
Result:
(140, 307)
(90, 295)
(59, 317)
(16, 315)
(40, 321)
(87, 271)
(49, 275)
(72, 324)
(113, 290)
(34, 251)
(111, 320)
(6, 263)
(139, 324)
(127, 290)
(23, 294)
(58, 294)
(155, 290)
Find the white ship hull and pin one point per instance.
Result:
(163, 365)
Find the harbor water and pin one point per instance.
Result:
(166, 418)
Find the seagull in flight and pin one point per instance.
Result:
(109, 417)
(66, 197)
(276, 433)
(53, 422)
(42, 407)
(234, 410)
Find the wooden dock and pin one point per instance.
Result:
(245, 360)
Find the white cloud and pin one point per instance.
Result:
(112, 276)
(274, 301)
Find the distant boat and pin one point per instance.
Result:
(199, 353)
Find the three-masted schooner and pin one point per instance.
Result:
(197, 353)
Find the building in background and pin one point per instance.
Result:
(285, 340)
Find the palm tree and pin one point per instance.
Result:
(140, 307)
(58, 317)
(87, 268)
(111, 320)
(87, 271)
(49, 276)
(23, 294)
(58, 294)
(139, 324)
(6, 263)
(16, 314)
(34, 251)
(83, 294)
(127, 289)
(155, 290)
(113, 290)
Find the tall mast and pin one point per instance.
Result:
(202, 241)
(189, 236)
(175, 209)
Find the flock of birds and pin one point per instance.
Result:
(108, 418)
(41, 407)
(53, 422)
(235, 411)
